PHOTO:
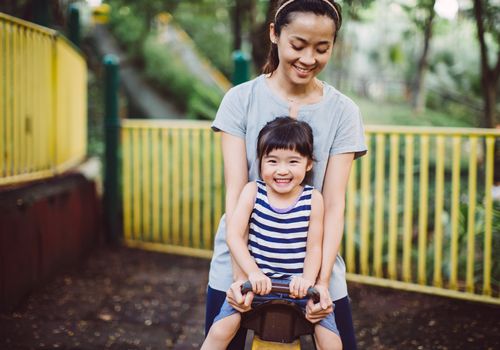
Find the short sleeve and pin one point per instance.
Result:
(231, 116)
(350, 133)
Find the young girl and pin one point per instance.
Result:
(284, 218)
(302, 36)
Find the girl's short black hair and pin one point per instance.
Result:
(286, 133)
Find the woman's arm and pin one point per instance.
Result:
(312, 261)
(334, 190)
(235, 178)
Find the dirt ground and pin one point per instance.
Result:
(130, 299)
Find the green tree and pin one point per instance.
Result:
(423, 16)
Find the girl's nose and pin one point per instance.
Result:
(282, 169)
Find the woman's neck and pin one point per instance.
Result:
(296, 93)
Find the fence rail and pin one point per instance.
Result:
(419, 216)
(43, 98)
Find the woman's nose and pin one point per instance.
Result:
(308, 58)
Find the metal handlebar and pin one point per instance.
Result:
(277, 287)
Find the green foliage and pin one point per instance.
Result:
(208, 24)
(128, 28)
(396, 54)
(204, 102)
(168, 72)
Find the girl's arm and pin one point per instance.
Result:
(235, 178)
(334, 189)
(312, 262)
(237, 240)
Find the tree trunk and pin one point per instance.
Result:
(419, 95)
(489, 76)
(260, 38)
(237, 20)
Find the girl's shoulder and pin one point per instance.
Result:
(248, 193)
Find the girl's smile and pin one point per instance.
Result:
(283, 171)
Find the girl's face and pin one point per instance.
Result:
(283, 170)
(304, 46)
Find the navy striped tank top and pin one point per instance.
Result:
(277, 238)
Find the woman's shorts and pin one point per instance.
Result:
(328, 322)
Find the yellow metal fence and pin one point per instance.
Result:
(419, 216)
(43, 101)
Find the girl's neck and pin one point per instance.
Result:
(283, 200)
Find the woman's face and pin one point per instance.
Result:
(304, 46)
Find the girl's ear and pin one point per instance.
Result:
(272, 34)
(309, 165)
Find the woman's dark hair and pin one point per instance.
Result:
(286, 133)
(284, 17)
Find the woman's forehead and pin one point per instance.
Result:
(309, 25)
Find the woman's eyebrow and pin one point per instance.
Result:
(324, 42)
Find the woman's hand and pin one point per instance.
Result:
(317, 312)
(240, 302)
(299, 286)
(261, 284)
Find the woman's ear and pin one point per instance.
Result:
(272, 34)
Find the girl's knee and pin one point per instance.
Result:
(326, 339)
(225, 329)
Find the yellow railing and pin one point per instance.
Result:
(419, 212)
(43, 101)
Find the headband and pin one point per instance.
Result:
(290, 1)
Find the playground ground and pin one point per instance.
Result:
(124, 298)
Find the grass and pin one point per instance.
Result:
(398, 113)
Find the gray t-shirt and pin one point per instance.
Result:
(337, 128)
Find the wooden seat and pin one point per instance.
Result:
(277, 321)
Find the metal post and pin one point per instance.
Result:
(74, 25)
(241, 67)
(111, 200)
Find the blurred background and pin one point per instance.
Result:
(106, 155)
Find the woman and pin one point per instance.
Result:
(302, 36)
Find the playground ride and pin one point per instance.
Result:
(277, 323)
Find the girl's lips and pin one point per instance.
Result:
(282, 181)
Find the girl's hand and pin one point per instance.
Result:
(240, 302)
(317, 312)
(299, 286)
(261, 284)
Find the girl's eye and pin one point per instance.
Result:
(297, 48)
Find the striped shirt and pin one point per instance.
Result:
(277, 238)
